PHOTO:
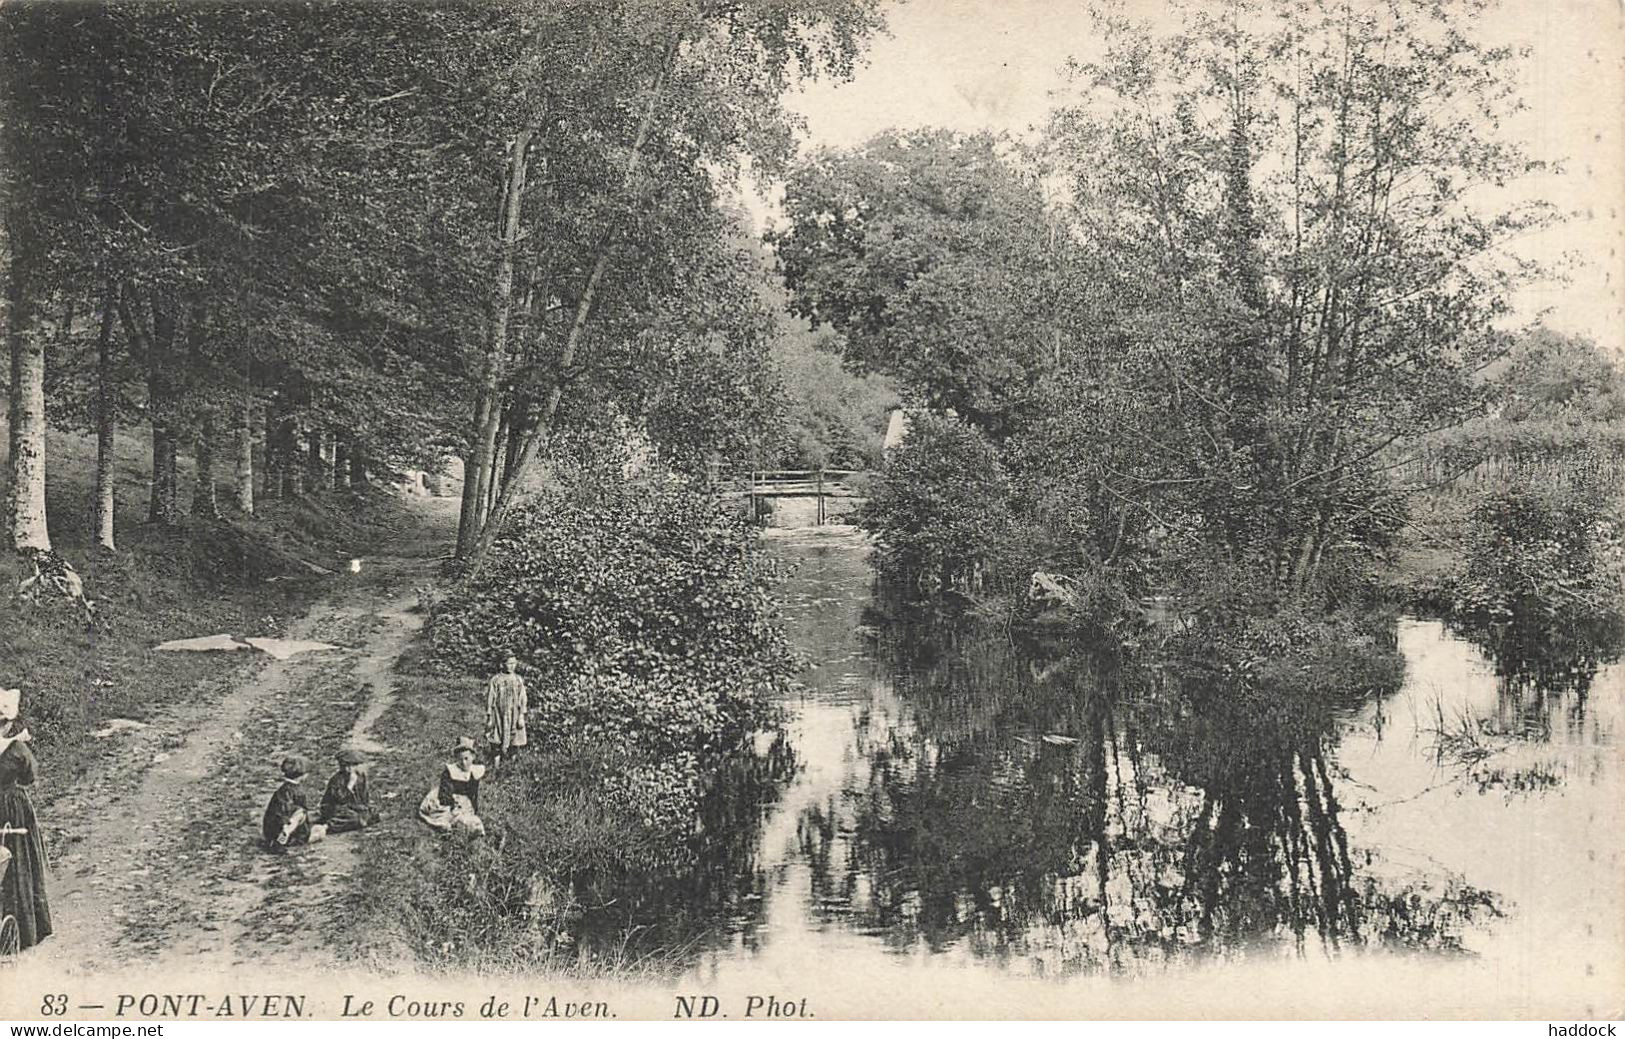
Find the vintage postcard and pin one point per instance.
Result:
(775, 510)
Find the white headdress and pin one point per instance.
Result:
(10, 701)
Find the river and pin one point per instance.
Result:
(993, 815)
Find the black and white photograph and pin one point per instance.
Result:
(841, 510)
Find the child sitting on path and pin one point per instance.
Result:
(287, 818)
(345, 804)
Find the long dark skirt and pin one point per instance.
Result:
(22, 892)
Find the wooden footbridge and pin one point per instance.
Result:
(821, 484)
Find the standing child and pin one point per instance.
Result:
(506, 702)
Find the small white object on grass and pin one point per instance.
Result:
(204, 643)
(118, 725)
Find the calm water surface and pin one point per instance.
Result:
(1006, 811)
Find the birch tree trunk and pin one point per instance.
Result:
(25, 502)
(488, 413)
(106, 427)
(572, 342)
(245, 453)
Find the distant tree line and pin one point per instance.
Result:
(1248, 279)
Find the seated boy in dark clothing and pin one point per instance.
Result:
(345, 803)
(287, 822)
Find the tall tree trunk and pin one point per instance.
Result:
(518, 425)
(544, 423)
(16, 318)
(163, 507)
(245, 452)
(488, 412)
(202, 420)
(271, 448)
(341, 462)
(495, 470)
(205, 499)
(106, 426)
(468, 516)
(332, 475)
(26, 526)
(293, 466)
(315, 464)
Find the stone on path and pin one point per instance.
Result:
(281, 649)
(204, 643)
(118, 725)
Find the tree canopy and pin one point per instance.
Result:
(1255, 264)
(367, 235)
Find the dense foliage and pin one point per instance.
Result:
(343, 237)
(835, 419)
(643, 615)
(1217, 315)
(1544, 552)
(932, 254)
(941, 515)
(642, 611)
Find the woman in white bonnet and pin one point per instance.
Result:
(22, 881)
(453, 803)
(11, 724)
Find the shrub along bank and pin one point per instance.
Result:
(643, 615)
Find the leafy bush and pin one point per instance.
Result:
(1542, 551)
(644, 619)
(941, 513)
(1312, 646)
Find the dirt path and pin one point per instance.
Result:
(159, 860)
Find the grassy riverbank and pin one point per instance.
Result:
(427, 900)
(645, 621)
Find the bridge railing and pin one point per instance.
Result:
(771, 475)
(822, 484)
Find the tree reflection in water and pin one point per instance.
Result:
(721, 891)
(1544, 672)
(1164, 819)
(1544, 675)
